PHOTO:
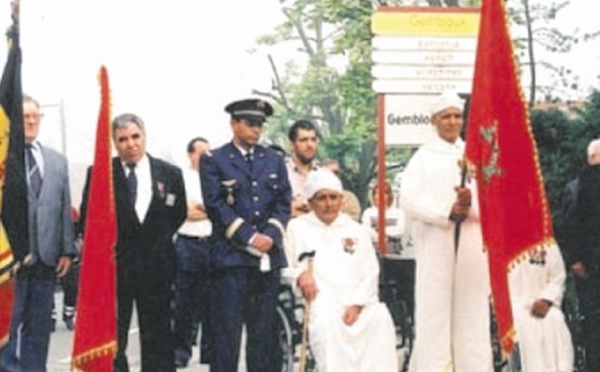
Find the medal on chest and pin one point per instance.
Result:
(229, 190)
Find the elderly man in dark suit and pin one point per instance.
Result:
(247, 197)
(150, 200)
(51, 243)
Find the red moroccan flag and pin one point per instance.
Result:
(515, 216)
(95, 327)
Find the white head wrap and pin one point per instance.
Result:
(320, 179)
(446, 100)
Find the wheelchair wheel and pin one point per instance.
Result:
(285, 357)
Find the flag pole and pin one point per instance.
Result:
(463, 178)
(15, 14)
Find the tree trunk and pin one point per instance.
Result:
(530, 52)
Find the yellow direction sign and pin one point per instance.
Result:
(424, 49)
(425, 21)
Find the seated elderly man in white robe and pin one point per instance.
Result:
(537, 286)
(349, 329)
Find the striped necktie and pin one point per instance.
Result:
(33, 172)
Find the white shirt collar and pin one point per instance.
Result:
(142, 163)
(242, 150)
(144, 185)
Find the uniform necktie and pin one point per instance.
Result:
(132, 183)
(248, 158)
(34, 174)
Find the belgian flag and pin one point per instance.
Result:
(14, 240)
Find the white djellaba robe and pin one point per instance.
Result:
(545, 343)
(346, 272)
(452, 313)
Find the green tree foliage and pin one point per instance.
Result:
(535, 20)
(333, 87)
(330, 83)
(562, 140)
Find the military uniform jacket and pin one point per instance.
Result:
(242, 199)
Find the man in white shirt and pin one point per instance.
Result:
(150, 206)
(192, 246)
(304, 141)
(452, 288)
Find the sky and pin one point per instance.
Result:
(175, 63)
(584, 58)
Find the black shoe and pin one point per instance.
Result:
(181, 363)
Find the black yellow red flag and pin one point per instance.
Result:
(14, 240)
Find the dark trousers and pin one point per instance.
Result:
(69, 284)
(588, 291)
(191, 296)
(243, 295)
(31, 322)
(152, 298)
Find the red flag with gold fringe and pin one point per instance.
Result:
(515, 216)
(95, 327)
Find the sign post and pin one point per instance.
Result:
(418, 52)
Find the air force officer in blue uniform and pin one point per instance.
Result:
(247, 197)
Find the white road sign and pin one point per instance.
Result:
(423, 72)
(407, 119)
(424, 43)
(421, 86)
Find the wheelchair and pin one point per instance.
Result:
(397, 292)
(289, 326)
